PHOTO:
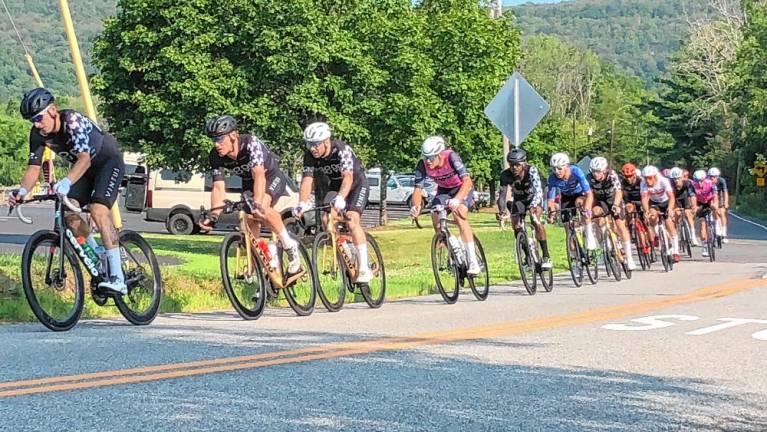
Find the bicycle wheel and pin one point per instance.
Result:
(664, 257)
(574, 262)
(142, 276)
(526, 263)
(55, 294)
(611, 257)
(687, 236)
(445, 267)
(329, 273)
(301, 293)
(374, 292)
(246, 292)
(482, 289)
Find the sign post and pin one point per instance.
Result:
(760, 171)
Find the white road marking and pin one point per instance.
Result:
(746, 220)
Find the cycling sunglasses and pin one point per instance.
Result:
(431, 158)
(39, 117)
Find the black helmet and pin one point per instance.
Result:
(516, 156)
(220, 125)
(35, 101)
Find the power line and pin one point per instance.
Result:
(18, 35)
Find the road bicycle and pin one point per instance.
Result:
(578, 257)
(255, 270)
(450, 263)
(529, 257)
(52, 276)
(336, 265)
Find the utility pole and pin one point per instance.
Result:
(82, 80)
(612, 142)
(498, 14)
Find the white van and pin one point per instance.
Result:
(399, 187)
(175, 197)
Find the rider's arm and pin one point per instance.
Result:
(259, 183)
(671, 201)
(465, 189)
(455, 161)
(347, 180)
(725, 194)
(419, 177)
(217, 195)
(589, 201)
(347, 171)
(535, 179)
(79, 168)
(307, 180)
(30, 177)
(646, 202)
(502, 198)
(552, 195)
(617, 188)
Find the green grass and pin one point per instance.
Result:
(195, 284)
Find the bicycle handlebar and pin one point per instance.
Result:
(40, 198)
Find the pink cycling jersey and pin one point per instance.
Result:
(705, 190)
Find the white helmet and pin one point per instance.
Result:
(649, 171)
(714, 172)
(558, 160)
(676, 173)
(699, 175)
(598, 164)
(317, 132)
(432, 146)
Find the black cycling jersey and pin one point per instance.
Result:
(77, 134)
(340, 160)
(253, 153)
(526, 189)
(631, 193)
(605, 189)
(686, 191)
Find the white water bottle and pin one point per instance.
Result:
(457, 245)
(349, 251)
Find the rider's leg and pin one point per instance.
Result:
(674, 236)
(623, 232)
(361, 243)
(690, 215)
(274, 222)
(460, 215)
(591, 243)
(540, 231)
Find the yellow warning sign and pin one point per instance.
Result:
(760, 170)
(760, 182)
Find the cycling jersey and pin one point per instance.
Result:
(77, 134)
(705, 190)
(575, 185)
(447, 176)
(605, 189)
(525, 189)
(721, 187)
(253, 153)
(685, 191)
(659, 192)
(631, 192)
(340, 160)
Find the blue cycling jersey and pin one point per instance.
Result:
(574, 186)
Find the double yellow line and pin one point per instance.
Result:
(346, 349)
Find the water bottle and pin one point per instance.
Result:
(104, 262)
(349, 251)
(457, 245)
(89, 252)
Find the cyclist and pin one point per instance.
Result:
(348, 188)
(527, 195)
(659, 201)
(685, 200)
(724, 201)
(706, 195)
(608, 200)
(94, 178)
(246, 156)
(570, 183)
(454, 190)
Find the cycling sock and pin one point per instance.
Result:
(675, 244)
(115, 264)
(91, 239)
(287, 241)
(545, 248)
(627, 251)
(471, 250)
(362, 256)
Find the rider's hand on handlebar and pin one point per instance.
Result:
(339, 203)
(16, 196)
(63, 186)
(453, 203)
(415, 211)
(207, 222)
(300, 209)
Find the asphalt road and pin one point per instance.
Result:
(662, 351)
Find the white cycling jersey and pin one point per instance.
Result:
(658, 193)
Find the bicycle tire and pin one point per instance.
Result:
(374, 297)
(525, 263)
(449, 295)
(127, 304)
(480, 292)
(612, 257)
(39, 309)
(332, 297)
(574, 263)
(259, 295)
(664, 256)
(687, 238)
(300, 301)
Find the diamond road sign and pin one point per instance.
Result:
(760, 169)
(516, 109)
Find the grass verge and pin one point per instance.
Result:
(195, 284)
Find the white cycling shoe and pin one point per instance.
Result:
(114, 284)
(365, 276)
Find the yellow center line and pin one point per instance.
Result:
(346, 349)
